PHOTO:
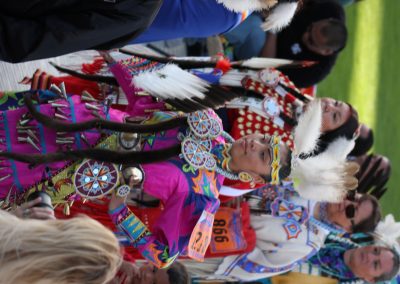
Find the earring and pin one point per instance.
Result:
(245, 177)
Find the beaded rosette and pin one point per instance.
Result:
(94, 179)
(197, 144)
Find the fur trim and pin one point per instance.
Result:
(262, 62)
(308, 130)
(171, 82)
(244, 5)
(280, 16)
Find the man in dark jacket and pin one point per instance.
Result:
(37, 29)
(317, 34)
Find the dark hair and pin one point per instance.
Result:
(335, 33)
(395, 269)
(346, 130)
(177, 273)
(363, 144)
(286, 166)
(370, 223)
(373, 175)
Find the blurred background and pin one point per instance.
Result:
(367, 75)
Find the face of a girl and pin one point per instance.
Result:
(253, 154)
(334, 114)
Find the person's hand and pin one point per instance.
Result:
(115, 201)
(28, 210)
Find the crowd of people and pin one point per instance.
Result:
(137, 168)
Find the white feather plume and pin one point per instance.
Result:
(387, 234)
(263, 62)
(320, 178)
(308, 129)
(339, 148)
(388, 228)
(171, 82)
(280, 16)
(245, 5)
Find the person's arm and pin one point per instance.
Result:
(269, 49)
(149, 246)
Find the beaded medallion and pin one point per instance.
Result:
(93, 179)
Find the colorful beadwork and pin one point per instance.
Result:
(94, 179)
(123, 190)
(295, 216)
(197, 145)
(275, 140)
(197, 155)
(292, 229)
(202, 125)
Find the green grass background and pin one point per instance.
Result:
(367, 76)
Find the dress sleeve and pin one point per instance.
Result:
(141, 238)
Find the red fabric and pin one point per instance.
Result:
(94, 67)
(74, 85)
(246, 122)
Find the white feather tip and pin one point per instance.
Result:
(280, 16)
(308, 130)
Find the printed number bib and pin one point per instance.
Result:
(201, 236)
(227, 232)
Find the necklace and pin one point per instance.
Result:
(333, 264)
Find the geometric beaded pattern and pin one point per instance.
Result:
(93, 179)
(202, 125)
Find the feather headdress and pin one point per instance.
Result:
(171, 81)
(327, 176)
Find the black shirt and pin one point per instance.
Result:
(290, 46)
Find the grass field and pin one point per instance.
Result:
(367, 76)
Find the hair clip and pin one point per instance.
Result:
(275, 166)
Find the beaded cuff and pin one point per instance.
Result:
(125, 220)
